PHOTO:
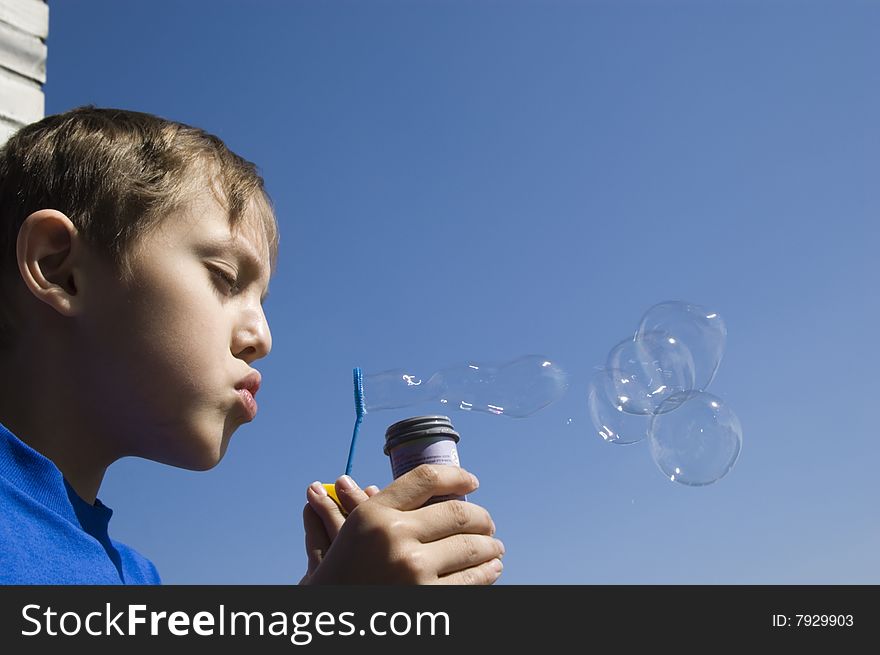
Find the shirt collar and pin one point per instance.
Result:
(37, 476)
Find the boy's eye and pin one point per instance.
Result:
(229, 282)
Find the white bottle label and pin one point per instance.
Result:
(429, 450)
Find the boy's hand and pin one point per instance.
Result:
(390, 538)
(322, 517)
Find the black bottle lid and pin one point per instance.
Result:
(419, 427)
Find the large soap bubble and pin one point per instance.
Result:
(697, 443)
(700, 330)
(653, 367)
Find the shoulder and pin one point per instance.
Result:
(39, 546)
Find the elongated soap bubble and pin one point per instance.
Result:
(651, 368)
(517, 388)
(611, 422)
(699, 330)
(697, 443)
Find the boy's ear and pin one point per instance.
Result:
(48, 251)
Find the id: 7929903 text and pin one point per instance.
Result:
(812, 621)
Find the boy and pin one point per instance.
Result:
(136, 253)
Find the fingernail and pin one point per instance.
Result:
(318, 488)
(475, 480)
(492, 528)
(346, 483)
(501, 546)
(497, 565)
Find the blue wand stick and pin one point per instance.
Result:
(360, 409)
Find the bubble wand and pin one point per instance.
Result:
(360, 410)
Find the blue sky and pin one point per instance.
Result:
(481, 180)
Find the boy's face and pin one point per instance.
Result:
(167, 350)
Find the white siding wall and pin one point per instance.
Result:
(24, 26)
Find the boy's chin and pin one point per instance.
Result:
(200, 455)
(205, 463)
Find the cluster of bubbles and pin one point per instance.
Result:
(517, 388)
(653, 386)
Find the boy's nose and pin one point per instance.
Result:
(253, 340)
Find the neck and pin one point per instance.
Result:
(43, 412)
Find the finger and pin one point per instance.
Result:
(413, 489)
(349, 493)
(462, 551)
(317, 541)
(329, 512)
(451, 517)
(371, 491)
(484, 574)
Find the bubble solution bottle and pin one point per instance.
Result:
(422, 440)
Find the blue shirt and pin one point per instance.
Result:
(49, 535)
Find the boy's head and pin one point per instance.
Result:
(135, 254)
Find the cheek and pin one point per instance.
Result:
(166, 339)
(183, 339)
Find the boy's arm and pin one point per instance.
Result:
(390, 537)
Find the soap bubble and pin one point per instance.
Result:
(611, 422)
(652, 367)
(700, 330)
(653, 385)
(515, 388)
(698, 442)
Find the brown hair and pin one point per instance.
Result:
(116, 174)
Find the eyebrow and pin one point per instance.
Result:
(244, 253)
